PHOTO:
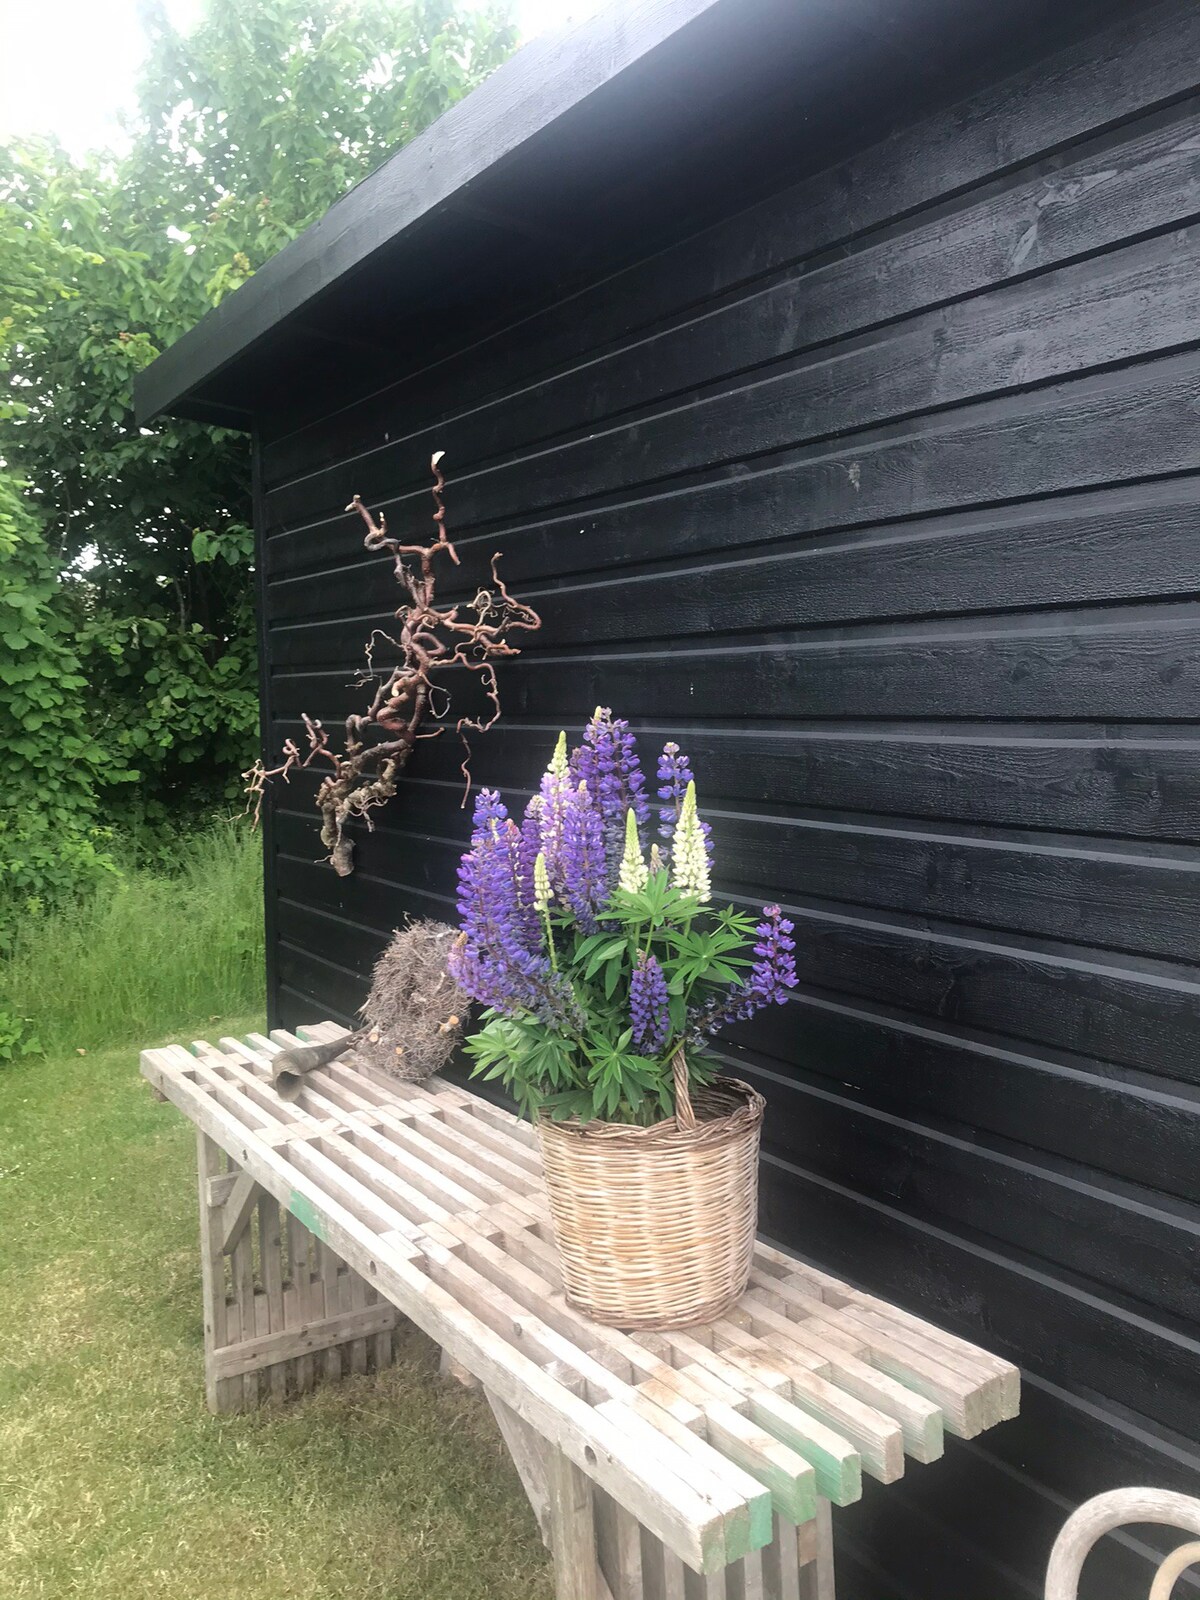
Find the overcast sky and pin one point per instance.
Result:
(68, 66)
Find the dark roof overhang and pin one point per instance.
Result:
(581, 153)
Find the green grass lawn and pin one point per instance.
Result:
(116, 1483)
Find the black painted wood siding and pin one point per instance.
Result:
(883, 497)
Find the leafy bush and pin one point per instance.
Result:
(144, 952)
(174, 699)
(46, 865)
(52, 847)
(17, 1037)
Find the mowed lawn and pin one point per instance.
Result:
(116, 1483)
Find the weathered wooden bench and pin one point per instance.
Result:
(671, 1465)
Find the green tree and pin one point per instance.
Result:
(52, 843)
(246, 130)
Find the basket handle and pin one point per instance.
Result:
(685, 1117)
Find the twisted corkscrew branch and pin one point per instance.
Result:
(431, 641)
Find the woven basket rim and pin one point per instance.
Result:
(746, 1112)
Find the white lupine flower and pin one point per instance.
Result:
(689, 858)
(542, 893)
(633, 875)
(656, 860)
(552, 802)
(559, 766)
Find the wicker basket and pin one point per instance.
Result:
(655, 1226)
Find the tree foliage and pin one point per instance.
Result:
(51, 841)
(246, 130)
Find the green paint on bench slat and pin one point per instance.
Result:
(838, 1472)
(762, 1523)
(305, 1212)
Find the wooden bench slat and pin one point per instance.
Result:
(878, 1438)
(919, 1418)
(387, 1142)
(965, 1406)
(968, 1357)
(835, 1460)
(378, 1202)
(629, 1362)
(790, 1479)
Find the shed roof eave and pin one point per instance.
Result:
(587, 150)
(541, 83)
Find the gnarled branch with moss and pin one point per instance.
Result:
(431, 641)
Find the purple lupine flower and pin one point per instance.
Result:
(475, 975)
(648, 1005)
(674, 775)
(494, 959)
(489, 808)
(494, 982)
(584, 870)
(489, 902)
(607, 762)
(770, 978)
(774, 973)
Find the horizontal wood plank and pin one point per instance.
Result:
(1104, 894)
(1119, 1238)
(1070, 667)
(252, 1355)
(1114, 544)
(1108, 780)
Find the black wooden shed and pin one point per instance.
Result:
(826, 370)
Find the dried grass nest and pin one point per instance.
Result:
(414, 1014)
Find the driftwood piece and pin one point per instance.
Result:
(289, 1067)
(431, 640)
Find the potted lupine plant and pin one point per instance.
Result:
(590, 937)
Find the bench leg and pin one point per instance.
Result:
(572, 1529)
(744, 1580)
(663, 1573)
(618, 1547)
(284, 1299)
(666, 1577)
(782, 1561)
(796, 1565)
(528, 1452)
(565, 1505)
(222, 1394)
(816, 1575)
